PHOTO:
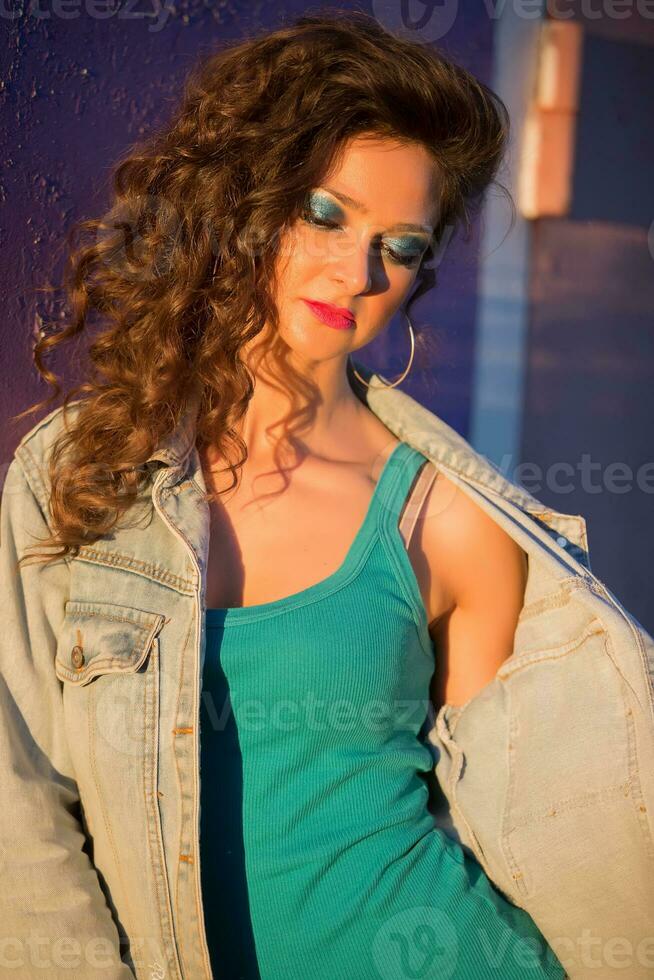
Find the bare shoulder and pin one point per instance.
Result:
(478, 574)
(466, 546)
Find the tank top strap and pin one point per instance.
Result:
(402, 467)
(415, 501)
(402, 482)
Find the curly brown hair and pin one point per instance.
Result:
(178, 275)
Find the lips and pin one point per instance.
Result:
(331, 315)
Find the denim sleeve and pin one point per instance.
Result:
(54, 918)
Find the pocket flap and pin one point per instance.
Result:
(103, 637)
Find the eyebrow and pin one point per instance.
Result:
(359, 206)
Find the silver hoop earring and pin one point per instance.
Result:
(406, 370)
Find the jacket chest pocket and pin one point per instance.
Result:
(108, 661)
(104, 638)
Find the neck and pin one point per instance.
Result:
(335, 413)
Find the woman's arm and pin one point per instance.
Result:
(54, 919)
(478, 576)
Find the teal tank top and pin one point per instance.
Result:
(319, 856)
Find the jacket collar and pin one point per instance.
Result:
(407, 419)
(176, 446)
(430, 435)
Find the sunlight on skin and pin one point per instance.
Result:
(363, 262)
(352, 248)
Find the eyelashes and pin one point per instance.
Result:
(408, 260)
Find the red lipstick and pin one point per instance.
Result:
(336, 317)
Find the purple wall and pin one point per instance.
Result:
(78, 90)
(590, 368)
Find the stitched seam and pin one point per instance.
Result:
(176, 530)
(32, 473)
(555, 601)
(183, 536)
(195, 795)
(83, 614)
(123, 667)
(177, 489)
(528, 657)
(110, 837)
(318, 596)
(579, 585)
(514, 869)
(180, 787)
(598, 589)
(147, 784)
(634, 774)
(117, 559)
(99, 662)
(155, 838)
(456, 456)
(160, 579)
(454, 777)
(571, 803)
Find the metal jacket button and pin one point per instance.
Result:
(77, 657)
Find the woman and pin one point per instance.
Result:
(186, 784)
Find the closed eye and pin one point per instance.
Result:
(408, 260)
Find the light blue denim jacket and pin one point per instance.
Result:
(548, 771)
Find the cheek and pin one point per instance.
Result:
(400, 282)
(381, 308)
(298, 261)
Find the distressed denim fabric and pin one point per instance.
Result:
(548, 771)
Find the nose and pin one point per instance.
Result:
(351, 263)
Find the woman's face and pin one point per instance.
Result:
(357, 246)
